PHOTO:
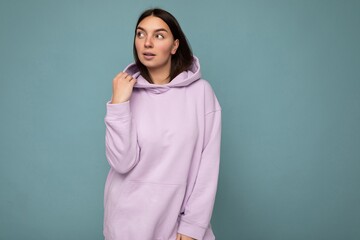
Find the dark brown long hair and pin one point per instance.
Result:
(182, 59)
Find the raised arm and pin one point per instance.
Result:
(122, 149)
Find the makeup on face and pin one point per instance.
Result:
(154, 42)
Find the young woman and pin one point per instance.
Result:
(163, 131)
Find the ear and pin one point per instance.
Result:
(175, 46)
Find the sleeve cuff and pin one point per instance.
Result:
(118, 110)
(191, 230)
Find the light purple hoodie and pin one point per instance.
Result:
(163, 146)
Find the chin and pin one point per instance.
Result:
(153, 64)
(150, 64)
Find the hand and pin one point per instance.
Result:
(123, 85)
(183, 237)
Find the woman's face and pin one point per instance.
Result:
(155, 43)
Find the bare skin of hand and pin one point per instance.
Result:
(183, 237)
(123, 84)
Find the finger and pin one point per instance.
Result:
(178, 237)
(133, 80)
(128, 77)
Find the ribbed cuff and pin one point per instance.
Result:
(191, 230)
(118, 110)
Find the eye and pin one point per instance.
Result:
(140, 34)
(159, 36)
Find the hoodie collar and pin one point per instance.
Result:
(183, 79)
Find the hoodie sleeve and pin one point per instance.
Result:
(198, 210)
(122, 150)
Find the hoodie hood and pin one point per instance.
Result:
(183, 79)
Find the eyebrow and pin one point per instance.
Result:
(156, 30)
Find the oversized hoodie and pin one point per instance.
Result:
(163, 147)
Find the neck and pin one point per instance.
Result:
(160, 75)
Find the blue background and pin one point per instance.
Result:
(287, 74)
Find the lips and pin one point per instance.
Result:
(148, 55)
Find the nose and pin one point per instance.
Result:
(148, 42)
